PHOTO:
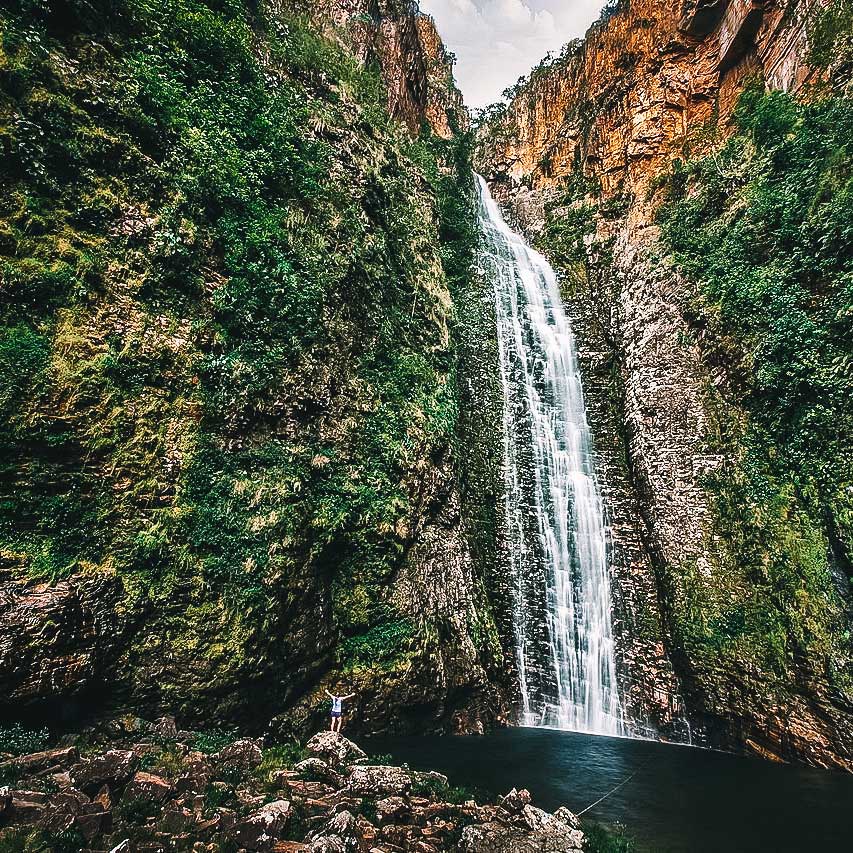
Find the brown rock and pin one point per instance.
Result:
(147, 786)
(243, 754)
(176, 820)
(317, 769)
(112, 768)
(57, 759)
(26, 807)
(379, 780)
(93, 821)
(393, 810)
(334, 749)
(515, 800)
(261, 830)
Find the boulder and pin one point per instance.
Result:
(69, 801)
(26, 807)
(377, 780)
(197, 774)
(316, 768)
(147, 786)
(243, 754)
(164, 729)
(515, 800)
(393, 810)
(105, 797)
(176, 820)
(340, 834)
(552, 834)
(260, 830)
(335, 749)
(92, 821)
(62, 757)
(113, 768)
(330, 844)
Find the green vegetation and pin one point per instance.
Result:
(167, 761)
(40, 841)
(384, 642)
(213, 740)
(765, 226)
(225, 325)
(831, 38)
(17, 740)
(600, 839)
(436, 789)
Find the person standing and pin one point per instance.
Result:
(337, 710)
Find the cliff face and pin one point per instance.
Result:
(579, 159)
(229, 400)
(416, 70)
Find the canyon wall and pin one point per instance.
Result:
(579, 160)
(229, 405)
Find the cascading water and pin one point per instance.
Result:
(554, 517)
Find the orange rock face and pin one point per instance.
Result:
(657, 82)
(416, 69)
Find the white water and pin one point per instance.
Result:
(556, 543)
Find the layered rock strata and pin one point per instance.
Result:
(594, 130)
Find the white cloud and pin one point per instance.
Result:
(498, 41)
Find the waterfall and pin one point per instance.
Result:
(555, 536)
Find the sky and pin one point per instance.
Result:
(497, 41)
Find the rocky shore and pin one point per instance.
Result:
(134, 787)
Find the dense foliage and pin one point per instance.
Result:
(765, 226)
(225, 323)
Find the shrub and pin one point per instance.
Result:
(213, 740)
(764, 228)
(18, 740)
(611, 839)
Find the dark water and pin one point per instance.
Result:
(680, 800)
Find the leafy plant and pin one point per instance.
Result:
(17, 740)
(764, 228)
(213, 740)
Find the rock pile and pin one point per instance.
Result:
(148, 790)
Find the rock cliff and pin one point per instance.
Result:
(580, 158)
(230, 240)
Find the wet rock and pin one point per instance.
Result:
(55, 638)
(113, 768)
(379, 781)
(243, 754)
(147, 786)
(261, 830)
(335, 749)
